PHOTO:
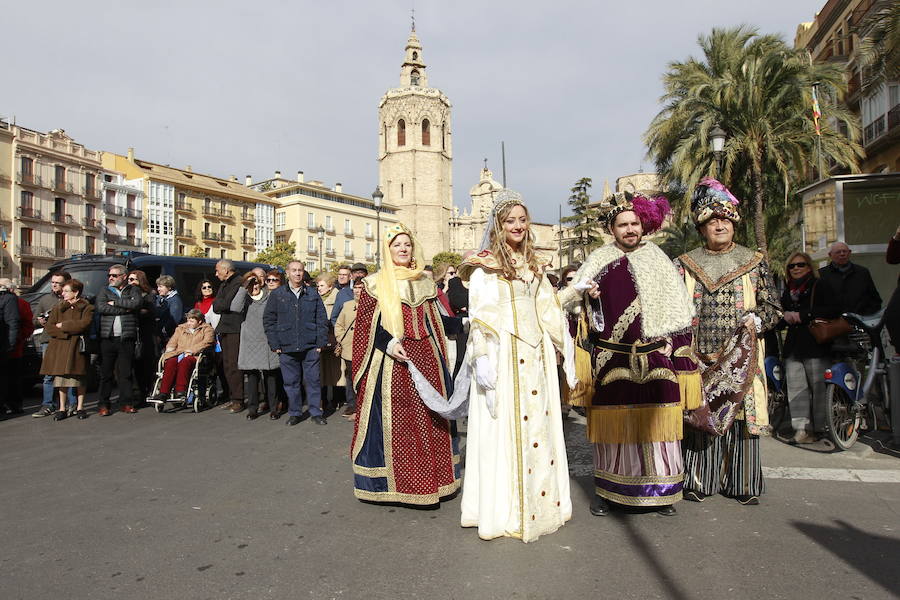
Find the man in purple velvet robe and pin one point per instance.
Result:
(645, 374)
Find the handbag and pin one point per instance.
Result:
(726, 382)
(138, 348)
(583, 393)
(82, 344)
(825, 330)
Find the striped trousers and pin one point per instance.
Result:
(729, 464)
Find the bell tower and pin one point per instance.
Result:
(415, 152)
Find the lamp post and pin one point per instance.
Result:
(717, 137)
(377, 197)
(321, 233)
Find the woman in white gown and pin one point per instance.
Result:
(516, 473)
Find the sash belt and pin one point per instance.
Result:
(635, 348)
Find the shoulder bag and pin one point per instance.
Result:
(825, 330)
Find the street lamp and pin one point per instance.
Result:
(717, 137)
(377, 197)
(321, 233)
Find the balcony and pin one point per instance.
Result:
(312, 251)
(219, 213)
(348, 254)
(348, 233)
(184, 233)
(893, 117)
(123, 240)
(63, 187)
(133, 213)
(312, 227)
(91, 193)
(248, 216)
(29, 179)
(248, 240)
(370, 257)
(64, 220)
(42, 252)
(211, 236)
(874, 130)
(370, 236)
(28, 213)
(329, 229)
(89, 223)
(330, 253)
(183, 207)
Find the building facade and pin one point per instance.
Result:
(328, 226)
(54, 204)
(834, 36)
(193, 214)
(415, 152)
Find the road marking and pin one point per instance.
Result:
(857, 475)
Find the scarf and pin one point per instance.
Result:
(389, 276)
(797, 287)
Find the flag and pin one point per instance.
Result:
(815, 110)
(3, 236)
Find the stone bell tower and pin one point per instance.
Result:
(415, 153)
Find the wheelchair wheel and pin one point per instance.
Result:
(160, 406)
(843, 417)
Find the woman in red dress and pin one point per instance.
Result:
(401, 451)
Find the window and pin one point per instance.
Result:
(130, 231)
(110, 197)
(88, 184)
(206, 252)
(368, 249)
(245, 256)
(27, 273)
(181, 249)
(182, 197)
(27, 202)
(281, 239)
(329, 226)
(328, 246)
(89, 244)
(347, 229)
(310, 243)
(280, 219)
(401, 190)
(90, 212)
(401, 132)
(368, 230)
(27, 167)
(59, 209)
(426, 132)
(25, 236)
(310, 265)
(414, 77)
(348, 250)
(59, 239)
(310, 220)
(221, 232)
(130, 200)
(60, 173)
(221, 254)
(443, 136)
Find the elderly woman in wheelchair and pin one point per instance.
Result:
(190, 339)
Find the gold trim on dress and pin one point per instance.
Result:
(639, 479)
(639, 500)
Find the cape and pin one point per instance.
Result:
(413, 292)
(716, 269)
(665, 302)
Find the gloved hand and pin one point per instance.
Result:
(583, 285)
(485, 375)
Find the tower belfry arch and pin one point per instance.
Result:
(415, 152)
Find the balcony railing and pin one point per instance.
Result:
(182, 206)
(212, 236)
(92, 193)
(248, 215)
(63, 186)
(89, 223)
(348, 254)
(330, 252)
(370, 257)
(370, 235)
(329, 229)
(61, 219)
(894, 117)
(874, 130)
(123, 240)
(348, 233)
(222, 213)
(311, 227)
(248, 240)
(27, 212)
(312, 251)
(29, 179)
(184, 233)
(43, 252)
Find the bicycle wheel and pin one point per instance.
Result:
(843, 417)
(777, 407)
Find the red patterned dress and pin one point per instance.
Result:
(401, 451)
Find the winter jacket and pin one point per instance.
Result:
(9, 321)
(344, 295)
(63, 355)
(343, 329)
(799, 343)
(229, 320)
(255, 352)
(169, 313)
(295, 324)
(44, 305)
(125, 306)
(855, 289)
(194, 342)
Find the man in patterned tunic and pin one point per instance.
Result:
(729, 283)
(640, 324)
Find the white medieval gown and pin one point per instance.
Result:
(516, 480)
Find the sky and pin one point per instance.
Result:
(248, 88)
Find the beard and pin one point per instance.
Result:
(629, 243)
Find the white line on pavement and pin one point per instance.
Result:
(857, 475)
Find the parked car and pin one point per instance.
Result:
(91, 269)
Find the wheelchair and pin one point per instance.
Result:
(201, 385)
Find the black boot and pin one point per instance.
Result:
(599, 507)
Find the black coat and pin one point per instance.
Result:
(229, 320)
(799, 343)
(9, 321)
(855, 289)
(458, 295)
(295, 324)
(127, 306)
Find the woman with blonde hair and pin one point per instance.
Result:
(401, 451)
(805, 297)
(517, 479)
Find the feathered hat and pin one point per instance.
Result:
(712, 199)
(652, 212)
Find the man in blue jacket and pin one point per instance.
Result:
(297, 329)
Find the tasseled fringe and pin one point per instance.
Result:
(690, 385)
(635, 424)
(583, 394)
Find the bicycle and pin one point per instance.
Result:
(846, 401)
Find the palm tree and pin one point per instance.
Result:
(758, 89)
(679, 238)
(880, 45)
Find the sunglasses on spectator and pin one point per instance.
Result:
(205, 287)
(116, 274)
(797, 265)
(269, 279)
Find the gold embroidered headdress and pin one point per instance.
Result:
(387, 287)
